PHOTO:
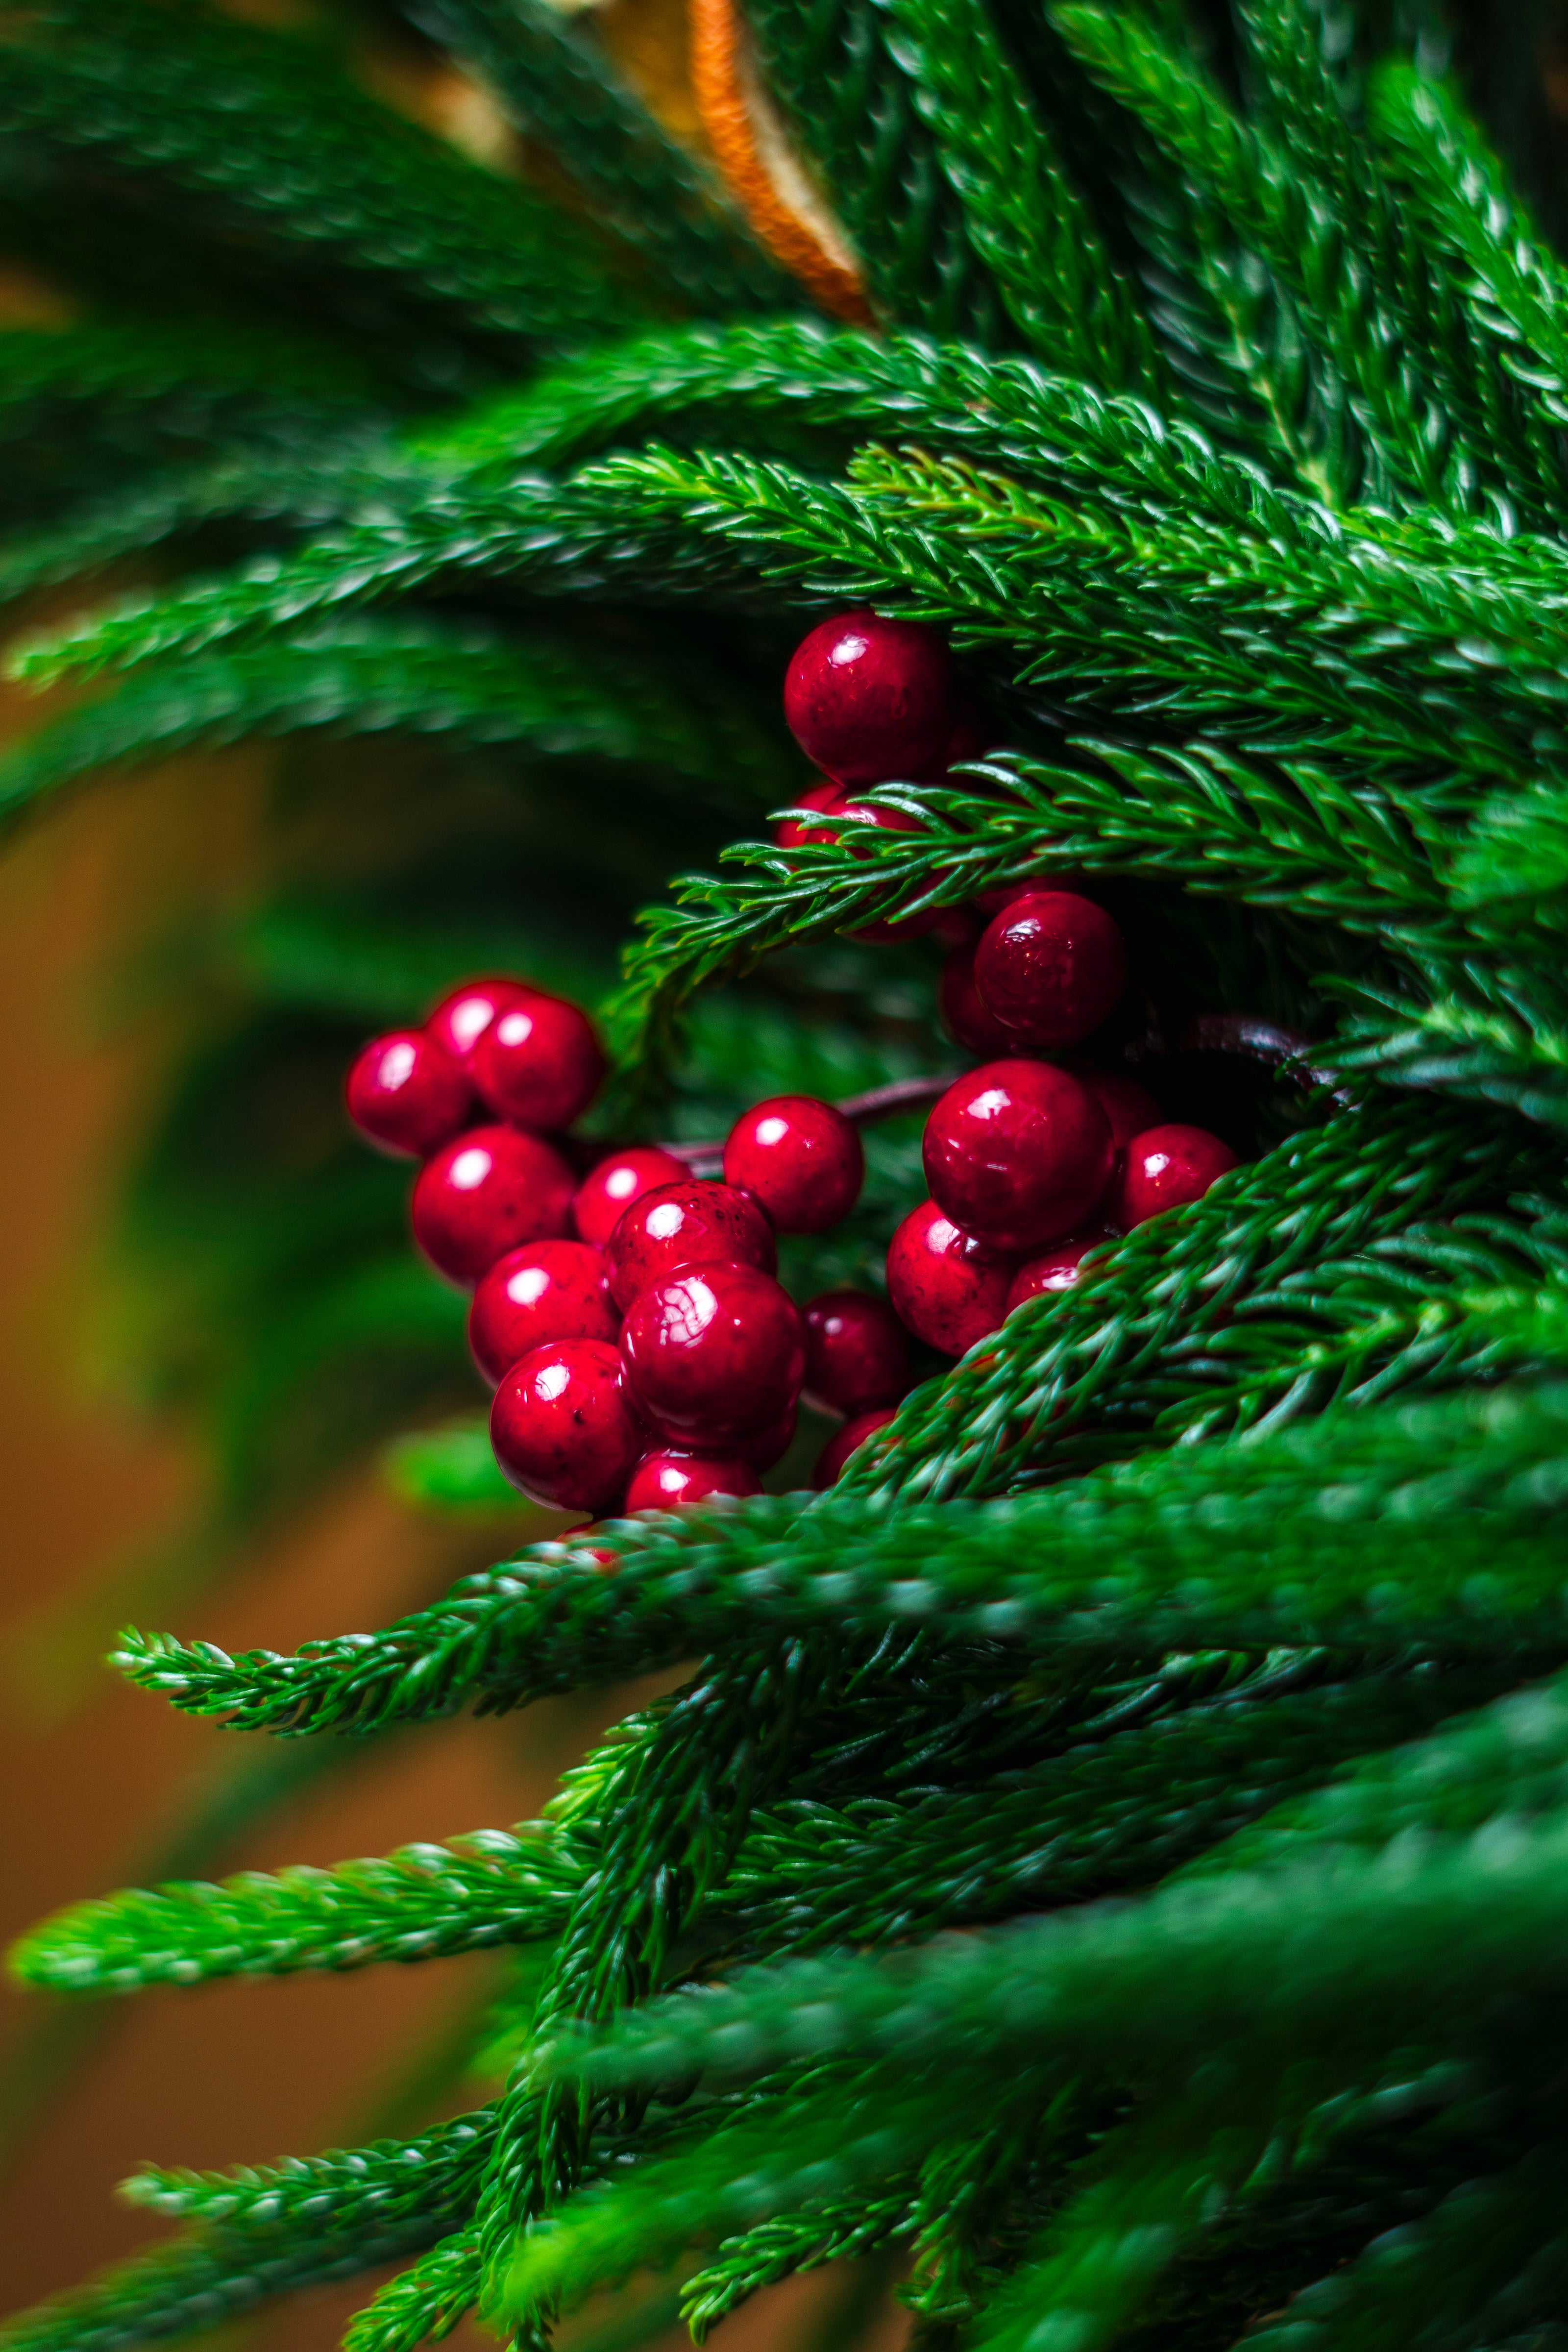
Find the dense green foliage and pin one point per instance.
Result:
(1210, 1614)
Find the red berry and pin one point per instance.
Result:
(664, 1482)
(1016, 1154)
(461, 1018)
(1128, 1107)
(1057, 1268)
(948, 1287)
(694, 1222)
(539, 1063)
(1165, 1168)
(964, 1016)
(616, 1183)
(789, 833)
(714, 1353)
(868, 700)
(488, 1191)
(856, 1352)
(407, 1094)
(1051, 967)
(834, 1458)
(800, 1159)
(544, 1291)
(771, 1445)
(562, 1426)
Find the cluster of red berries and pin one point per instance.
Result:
(627, 1312)
(641, 1350)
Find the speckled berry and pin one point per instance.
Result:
(407, 1095)
(539, 1063)
(713, 1353)
(694, 1222)
(1166, 1168)
(488, 1191)
(856, 1352)
(964, 1016)
(1016, 1154)
(834, 1458)
(563, 1429)
(610, 1187)
(543, 1291)
(948, 1288)
(670, 1482)
(461, 1018)
(1051, 967)
(800, 1159)
(1057, 1268)
(870, 700)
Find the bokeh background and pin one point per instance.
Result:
(110, 908)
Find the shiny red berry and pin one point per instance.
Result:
(1166, 1167)
(694, 1222)
(1051, 967)
(714, 1353)
(562, 1426)
(964, 1016)
(407, 1094)
(461, 1018)
(770, 1445)
(800, 1159)
(1057, 1268)
(488, 1191)
(856, 1352)
(1016, 1154)
(791, 833)
(948, 1287)
(1128, 1107)
(544, 1291)
(869, 701)
(539, 1063)
(834, 1458)
(667, 1482)
(616, 1182)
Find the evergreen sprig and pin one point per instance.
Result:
(1214, 410)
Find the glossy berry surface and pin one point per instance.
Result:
(488, 1191)
(963, 1015)
(562, 1427)
(611, 1187)
(870, 700)
(791, 833)
(407, 1095)
(1018, 1153)
(800, 1159)
(948, 1288)
(856, 1352)
(1051, 967)
(1164, 1167)
(694, 1222)
(544, 1291)
(714, 1353)
(461, 1018)
(539, 1061)
(667, 1482)
(834, 1458)
(1128, 1107)
(1057, 1268)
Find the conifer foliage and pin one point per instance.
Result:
(1196, 1644)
